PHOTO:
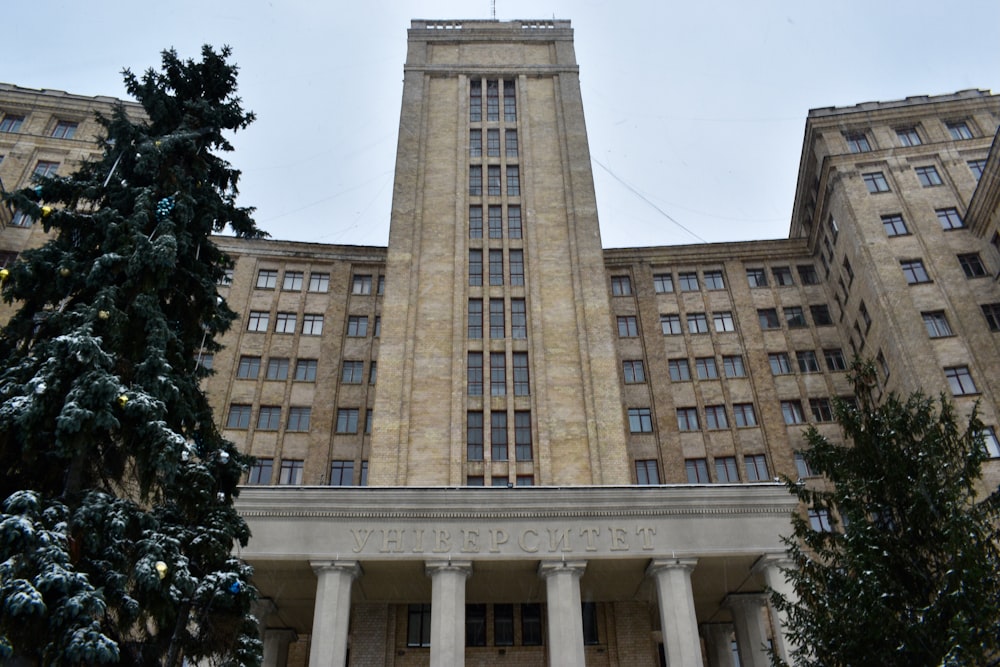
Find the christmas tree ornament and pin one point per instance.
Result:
(122, 400)
(235, 587)
(46, 210)
(38, 190)
(161, 569)
(64, 271)
(224, 456)
(3, 274)
(103, 314)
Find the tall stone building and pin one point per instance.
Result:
(495, 442)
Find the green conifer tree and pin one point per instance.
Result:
(117, 526)
(907, 571)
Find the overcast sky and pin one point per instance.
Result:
(695, 110)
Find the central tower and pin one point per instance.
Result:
(497, 361)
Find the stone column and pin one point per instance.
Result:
(562, 597)
(276, 643)
(748, 622)
(328, 644)
(678, 621)
(718, 642)
(448, 611)
(772, 566)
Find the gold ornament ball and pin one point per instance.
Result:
(161, 568)
(103, 314)
(4, 273)
(122, 400)
(64, 271)
(46, 210)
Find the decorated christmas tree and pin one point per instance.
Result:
(117, 524)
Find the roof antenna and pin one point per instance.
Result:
(493, 10)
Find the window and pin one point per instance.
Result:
(835, 360)
(267, 279)
(475, 116)
(531, 624)
(819, 520)
(714, 280)
(990, 442)
(291, 472)
(269, 418)
(865, 316)
(757, 468)
(361, 285)
(368, 430)
(496, 222)
(493, 180)
(64, 129)
(497, 323)
(883, 365)
(914, 271)
(802, 466)
(928, 176)
(496, 267)
(522, 385)
(724, 321)
(977, 167)
(670, 324)
(991, 311)
(697, 323)
(475, 143)
(498, 374)
(475, 319)
(474, 436)
(792, 412)
(249, 368)
(875, 182)
(514, 223)
(634, 371)
(972, 265)
(960, 380)
(782, 275)
(513, 181)
(341, 473)
(292, 280)
(518, 319)
(627, 326)
(688, 281)
(808, 363)
(857, 142)
(44, 169)
(206, 360)
(794, 317)
(821, 409)
(298, 418)
(11, 123)
(312, 324)
(732, 366)
(697, 471)
(475, 181)
(305, 370)
(509, 102)
(475, 222)
(239, 416)
(498, 436)
(284, 323)
(744, 415)
(894, 225)
(687, 419)
(21, 219)
(510, 142)
(347, 420)
(351, 372)
(715, 417)
(475, 480)
(589, 612)
(779, 363)
(475, 268)
(937, 324)
(516, 259)
(768, 318)
(959, 130)
(807, 274)
(621, 286)
(357, 326)
(949, 218)
(640, 420)
(706, 369)
(260, 472)
(522, 435)
(474, 374)
(646, 472)
(418, 621)
(756, 277)
(493, 143)
(663, 283)
(908, 136)
(319, 282)
(821, 315)
(364, 468)
(277, 368)
(725, 470)
(679, 370)
(258, 321)
(475, 625)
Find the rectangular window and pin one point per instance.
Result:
(802, 466)
(305, 370)
(914, 271)
(680, 371)
(949, 218)
(531, 624)
(821, 315)
(368, 430)
(498, 374)
(496, 222)
(779, 363)
(291, 472)
(894, 225)
(292, 281)
(474, 436)
(518, 319)
(725, 470)
(972, 265)
(475, 180)
(497, 324)
(248, 368)
(928, 176)
(756, 277)
(496, 267)
(990, 442)
(475, 111)
(875, 182)
(269, 418)
(498, 436)
(510, 142)
(937, 324)
(493, 143)
(312, 324)
(663, 283)
(670, 324)
(319, 282)
(959, 130)
(474, 374)
(960, 380)
(475, 268)
(621, 286)
(475, 143)
(908, 136)
(724, 321)
(259, 320)
(744, 415)
(715, 417)
(733, 366)
(821, 409)
(475, 625)
(260, 472)
(239, 416)
(514, 222)
(64, 129)
(475, 222)
(351, 372)
(589, 612)
(341, 473)
(706, 369)
(418, 621)
(714, 280)
(782, 276)
(475, 323)
(364, 470)
(819, 520)
(757, 468)
(794, 317)
(634, 371)
(522, 435)
(277, 368)
(991, 311)
(347, 420)
(688, 281)
(646, 472)
(267, 279)
(357, 326)
(493, 188)
(509, 102)
(628, 327)
(857, 142)
(516, 259)
(687, 419)
(22, 219)
(285, 323)
(792, 412)
(492, 100)
(807, 274)
(697, 323)
(361, 285)
(697, 471)
(513, 180)
(45, 168)
(522, 386)
(768, 318)
(298, 418)
(640, 420)
(11, 123)
(977, 167)
(835, 360)
(807, 361)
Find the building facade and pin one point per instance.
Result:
(496, 442)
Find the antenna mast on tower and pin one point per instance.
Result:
(493, 9)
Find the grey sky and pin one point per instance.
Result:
(696, 109)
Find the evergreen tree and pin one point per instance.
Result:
(909, 574)
(118, 525)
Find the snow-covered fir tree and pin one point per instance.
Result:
(117, 524)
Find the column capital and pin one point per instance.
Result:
(351, 567)
(755, 599)
(768, 561)
(547, 568)
(432, 567)
(658, 565)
